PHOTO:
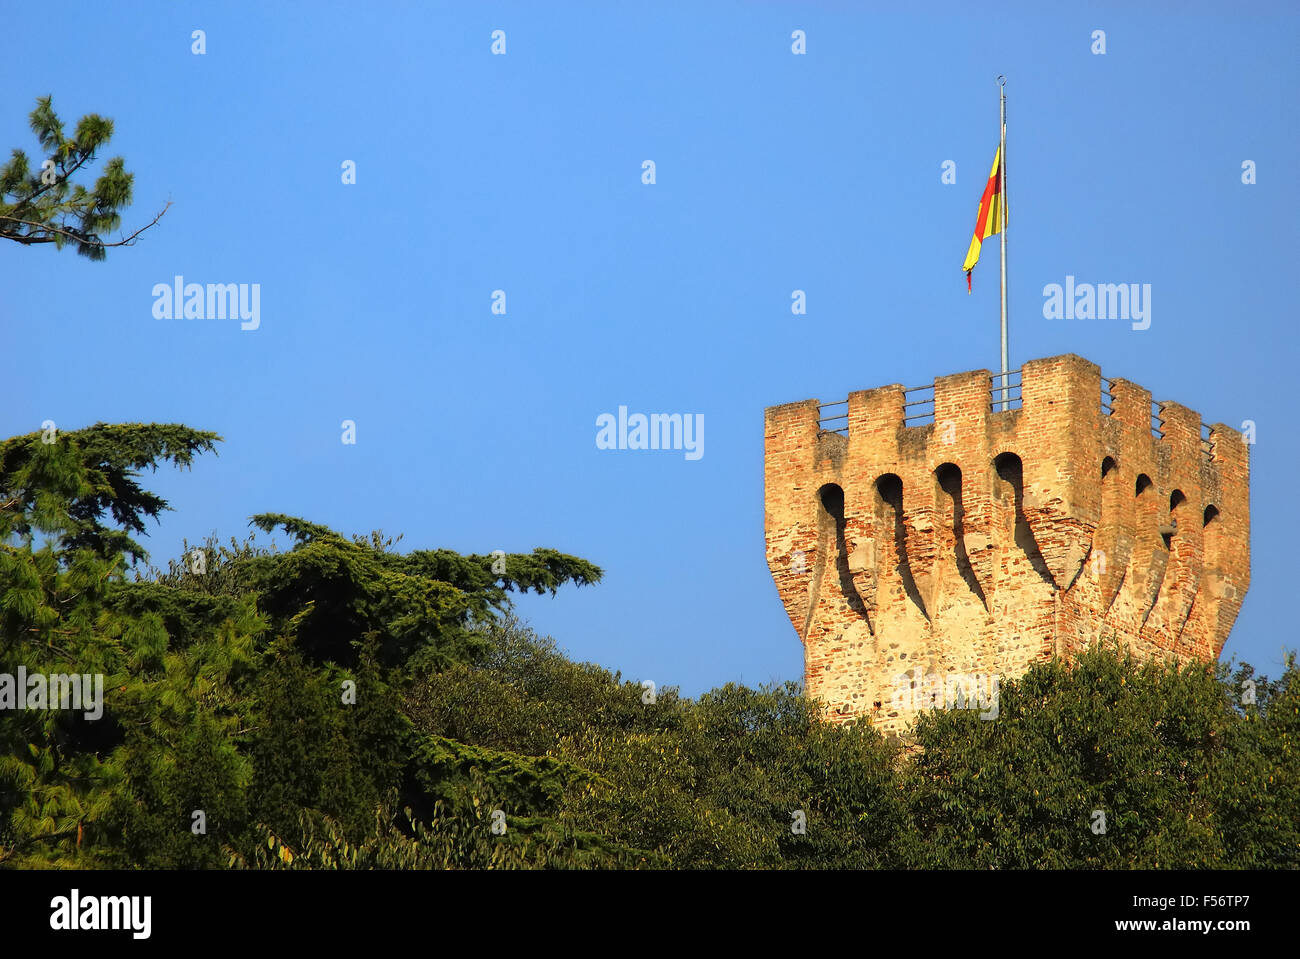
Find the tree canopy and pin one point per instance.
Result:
(338, 703)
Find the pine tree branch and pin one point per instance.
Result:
(63, 178)
(29, 239)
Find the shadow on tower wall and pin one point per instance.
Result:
(949, 477)
(890, 488)
(1011, 471)
(832, 500)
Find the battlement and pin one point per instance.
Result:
(955, 529)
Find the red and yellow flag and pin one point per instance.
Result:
(989, 220)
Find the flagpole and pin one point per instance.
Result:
(1002, 205)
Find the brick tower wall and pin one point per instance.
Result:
(988, 539)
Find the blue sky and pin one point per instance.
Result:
(523, 173)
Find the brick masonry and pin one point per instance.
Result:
(989, 540)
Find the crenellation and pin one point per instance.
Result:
(989, 539)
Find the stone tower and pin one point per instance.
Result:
(932, 532)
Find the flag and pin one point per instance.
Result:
(989, 220)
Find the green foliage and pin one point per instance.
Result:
(71, 487)
(1258, 779)
(225, 674)
(311, 751)
(334, 591)
(42, 204)
(524, 695)
(1184, 777)
(342, 705)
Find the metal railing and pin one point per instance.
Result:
(841, 422)
(914, 397)
(834, 417)
(1004, 397)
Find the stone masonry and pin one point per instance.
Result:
(991, 539)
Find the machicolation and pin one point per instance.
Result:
(962, 529)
